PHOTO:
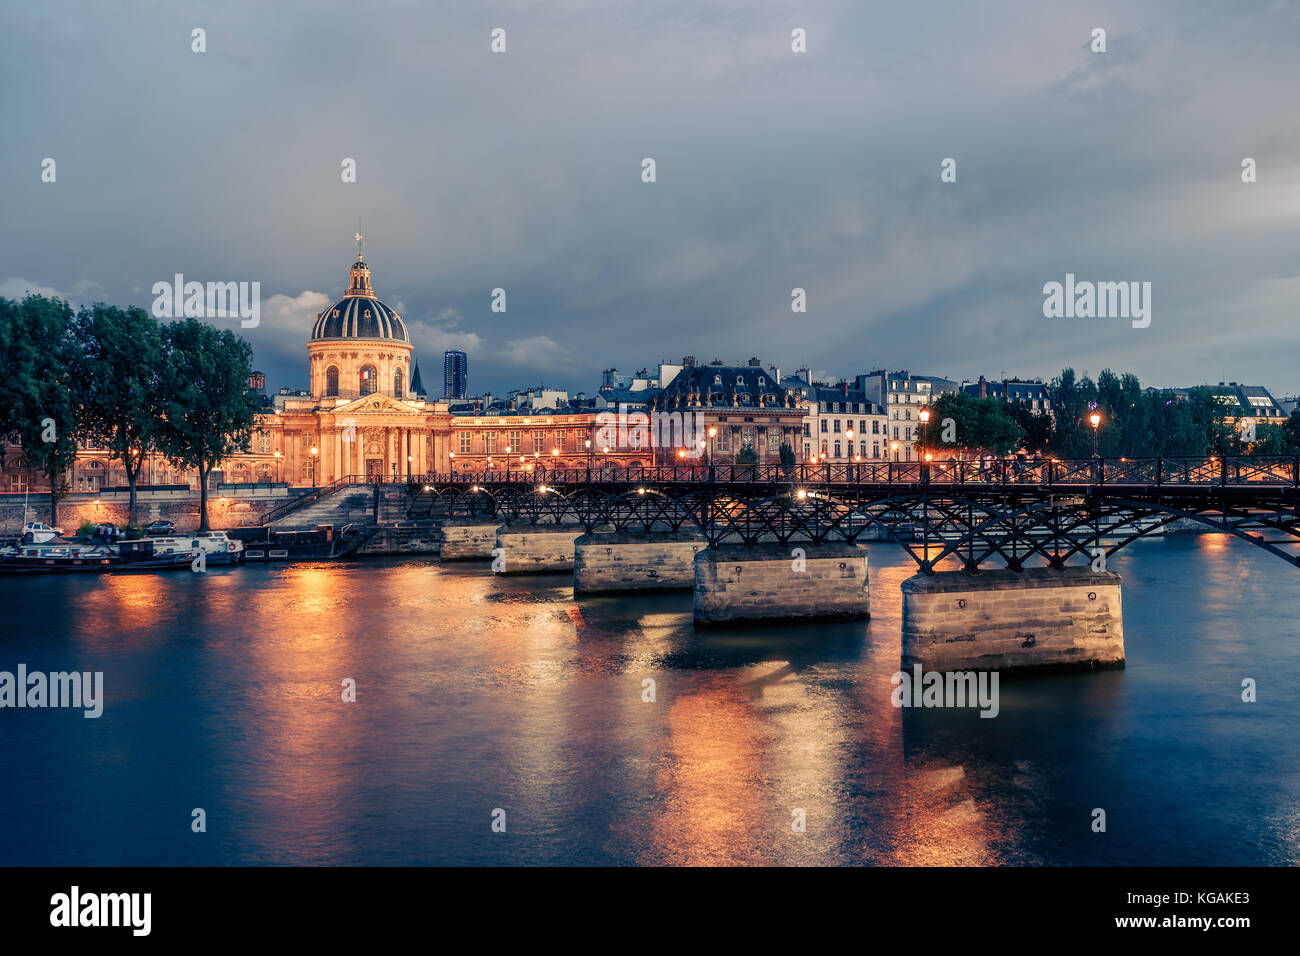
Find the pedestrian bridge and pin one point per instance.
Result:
(979, 512)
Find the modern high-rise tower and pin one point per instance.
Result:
(455, 374)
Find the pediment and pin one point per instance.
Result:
(375, 405)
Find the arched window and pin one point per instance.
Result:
(397, 382)
(369, 380)
(332, 380)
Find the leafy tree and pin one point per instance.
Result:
(1035, 426)
(118, 366)
(747, 456)
(1292, 429)
(1271, 439)
(38, 402)
(980, 424)
(208, 411)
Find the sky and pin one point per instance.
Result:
(775, 170)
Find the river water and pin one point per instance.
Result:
(223, 691)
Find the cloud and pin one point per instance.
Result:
(537, 351)
(83, 290)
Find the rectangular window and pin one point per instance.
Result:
(875, 449)
(515, 446)
(539, 441)
(773, 440)
(823, 421)
(807, 433)
(837, 449)
(464, 443)
(875, 427)
(837, 426)
(490, 442)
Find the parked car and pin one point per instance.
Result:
(160, 527)
(34, 532)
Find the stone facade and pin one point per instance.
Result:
(1039, 618)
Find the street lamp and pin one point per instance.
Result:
(924, 415)
(452, 455)
(1095, 419)
(314, 452)
(409, 459)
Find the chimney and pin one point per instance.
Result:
(755, 363)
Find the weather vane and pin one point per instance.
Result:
(361, 241)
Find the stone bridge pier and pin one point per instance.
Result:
(1036, 619)
(469, 539)
(535, 548)
(635, 561)
(774, 582)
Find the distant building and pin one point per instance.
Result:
(842, 424)
(1244, 403)
(417, 383)
(633, 391)
(902, 395)
(743, 405)
(1032, 395)
(455, 374)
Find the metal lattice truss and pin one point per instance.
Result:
(1013, 524)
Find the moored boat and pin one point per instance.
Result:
(88, 558)
(218, 546)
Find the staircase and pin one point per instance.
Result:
(349, 500)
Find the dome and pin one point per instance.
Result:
(359, 314)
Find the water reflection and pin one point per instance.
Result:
(476, 693)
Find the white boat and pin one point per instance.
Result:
(216, 545)
(34, 532)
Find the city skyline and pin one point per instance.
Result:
(776, 171)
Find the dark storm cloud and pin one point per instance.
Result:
(775, 170)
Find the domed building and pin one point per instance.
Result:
(359, 345)
(365, 413)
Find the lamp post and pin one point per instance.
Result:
(451, 456)
(587, 443)
(708, 449)
(1095, 419)
(409, 459)
(279, 467)
(314, 452)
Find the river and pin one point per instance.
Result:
(223, 692)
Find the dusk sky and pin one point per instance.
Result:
(775, 170)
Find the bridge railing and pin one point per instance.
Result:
(1051, 472)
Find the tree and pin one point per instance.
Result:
(39, 404)
(787, 454)
(119, 366)
(1271, 439)
(747, 456)
(1035, 426)
(208, 410)
(978, 424)
(1292, 429)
